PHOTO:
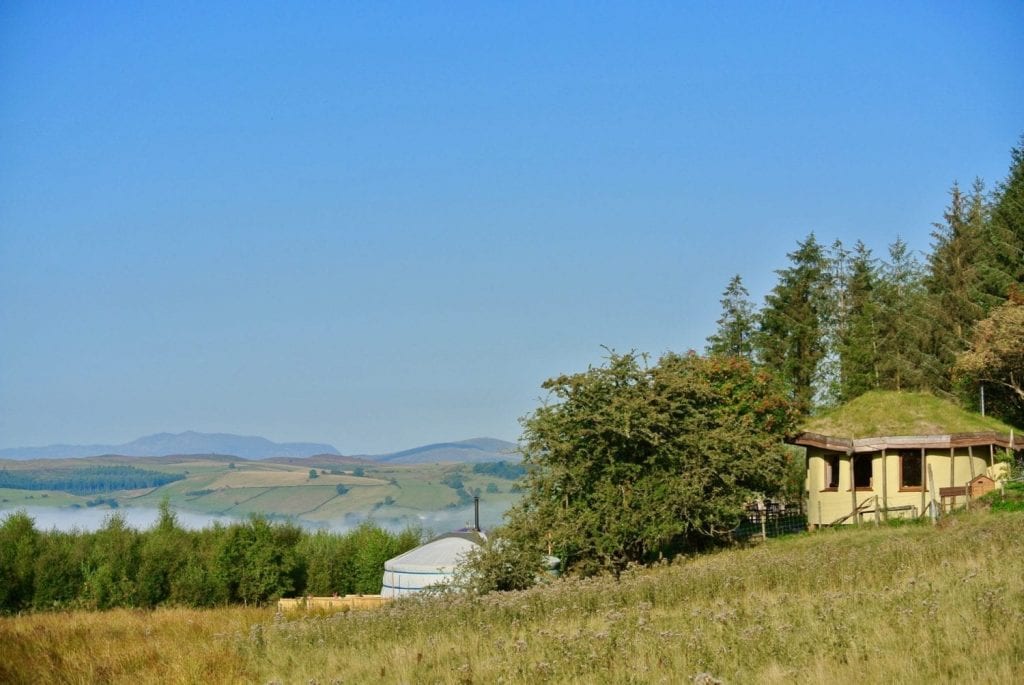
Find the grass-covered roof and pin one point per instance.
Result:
(884, 413)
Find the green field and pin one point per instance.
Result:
(219, 486)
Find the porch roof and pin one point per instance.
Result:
(896, 442)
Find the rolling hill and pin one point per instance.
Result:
(473, 451)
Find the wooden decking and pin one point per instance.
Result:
(343, 603)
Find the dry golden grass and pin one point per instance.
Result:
(913, 604)
(128, 646)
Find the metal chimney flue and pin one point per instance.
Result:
(476, 512)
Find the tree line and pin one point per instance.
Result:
(86, 480)
(250, 562)
(841, 321)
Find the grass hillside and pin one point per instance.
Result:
(884, 413)
(913, 604)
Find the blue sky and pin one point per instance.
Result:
(380, 225)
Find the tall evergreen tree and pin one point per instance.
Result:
(1003, 251)
(955, 295)
(859, 326)
(790, 338)
(833, 318)
(903, 362)
(737, 325)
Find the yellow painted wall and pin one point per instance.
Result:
(833, 505)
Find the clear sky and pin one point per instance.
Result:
(381, 225)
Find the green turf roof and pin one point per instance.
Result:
(884, 413)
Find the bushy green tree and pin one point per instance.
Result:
(630, 462)
(501, 564)
(258, 560)
(163, 555)
(19, 544)
(324, 555)
(110, 578)
(59, 564)
(996, 360)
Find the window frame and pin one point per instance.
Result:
(831, 471)
(870, 459)
(923, 477)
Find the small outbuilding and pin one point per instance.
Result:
(897, 454)
(428, 565)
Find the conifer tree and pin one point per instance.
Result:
(859, 326)
(790, 338)
(955, 295)
(903, 363)
(1003, 248)
(737, 324)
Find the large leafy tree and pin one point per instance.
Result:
(996, 359)
(792, 339)
(737, 325)
(630, 462)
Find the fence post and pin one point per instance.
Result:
(764, 515)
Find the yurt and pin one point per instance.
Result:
(427, 565)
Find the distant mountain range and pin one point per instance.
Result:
(254, 447)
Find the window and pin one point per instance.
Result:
(862, 472)
(911, 471)
(831, 472)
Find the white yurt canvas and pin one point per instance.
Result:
(431, 564)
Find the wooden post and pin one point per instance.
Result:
(952, 462)
(934, 505)
(853, 488)
(970, 460)
(764, 515)
(819, 514)
(924, 479)
(876, 511)
(885, 485)
(991, 455)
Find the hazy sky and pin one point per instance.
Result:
(380, 225)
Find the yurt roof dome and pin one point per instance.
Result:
(441, 555)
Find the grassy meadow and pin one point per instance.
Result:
(904, 604)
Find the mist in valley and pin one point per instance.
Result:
(142, 518)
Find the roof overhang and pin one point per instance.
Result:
(897, 442)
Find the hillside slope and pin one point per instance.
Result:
(473, 451)
(915, 604)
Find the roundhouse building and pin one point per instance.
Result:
(888, 454)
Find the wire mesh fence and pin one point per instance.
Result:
(771, 519)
